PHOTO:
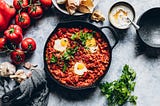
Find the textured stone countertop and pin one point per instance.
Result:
(127, 51)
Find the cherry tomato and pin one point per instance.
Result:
(23, 20)
(46, 3)
(35, 12)
(18, 4)
(28, 44)
(14, 34)
(2, 43)
(17, 56)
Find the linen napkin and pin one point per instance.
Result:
(34, 90)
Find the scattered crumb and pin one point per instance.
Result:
(97, 16)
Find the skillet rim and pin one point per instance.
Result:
(78, 24)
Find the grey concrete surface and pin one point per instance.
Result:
(128, 51)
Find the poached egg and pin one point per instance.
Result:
(61, 44)
(91, 44)
(80, 68)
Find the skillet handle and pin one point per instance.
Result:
(11, 95)
(114, 34)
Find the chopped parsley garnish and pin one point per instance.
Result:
(83, 37)
(67, 56)
(74, 36)
(53, 59)
(69, 53)
(64, 67)
(119, 91)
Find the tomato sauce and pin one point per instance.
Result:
(96, 63)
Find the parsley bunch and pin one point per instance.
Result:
(119, 91)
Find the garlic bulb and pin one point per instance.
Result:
(7, 69)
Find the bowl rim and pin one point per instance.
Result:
(125, 4)
(147, 12)
(65, 11)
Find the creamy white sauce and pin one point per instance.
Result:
(118, 16)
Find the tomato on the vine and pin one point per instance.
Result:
(46, 3)
(28, 44)
(35, 11)
(17, 56)
(18, 4)
(2, 43)
(14, 34)
(23, 20)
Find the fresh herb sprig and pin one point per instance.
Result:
(83, 36)
(119, 91)
(64, 67)
(68, 54)
(53, 59)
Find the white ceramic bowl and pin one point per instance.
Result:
(118, 4)
(63, 10)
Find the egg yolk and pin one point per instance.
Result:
(91, 42)
(64, 42)
(80, 66)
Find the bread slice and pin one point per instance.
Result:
(86, 6)
(72, 6)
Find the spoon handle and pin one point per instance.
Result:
(134, 24)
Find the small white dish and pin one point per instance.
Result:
(119, 13)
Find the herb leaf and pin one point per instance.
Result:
(64, 67)
(53, 59)
(69, 53)
(74, 36)
(133, 99)
(85, 36)
(119, 91)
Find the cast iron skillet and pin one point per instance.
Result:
(10, 97)
(89, 26)
(149, 31)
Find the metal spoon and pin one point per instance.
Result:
(133, 23)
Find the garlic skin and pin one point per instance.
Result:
(20, 75)
(7, 69)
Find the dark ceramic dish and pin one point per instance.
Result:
(149, 31)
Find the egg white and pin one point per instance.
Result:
(91, 45)
(79, 71)
(93, 49)
(58, 46)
